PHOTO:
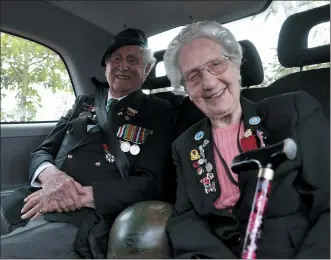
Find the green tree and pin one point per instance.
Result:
(290, 7)
(273, 69)
(25, 67)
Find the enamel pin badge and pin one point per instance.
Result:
(130, 112)
(195, 155)
(199, 135)
(259, 134)
(255, 120)
(201, 165)
(248, 142)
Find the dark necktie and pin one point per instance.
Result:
(110, 104)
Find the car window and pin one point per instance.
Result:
(262, 30)
(35, 84)
(160, 42)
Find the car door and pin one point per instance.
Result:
(35, 91)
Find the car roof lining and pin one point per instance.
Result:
(153, 16)
(79, 41)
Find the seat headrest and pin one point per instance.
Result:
(251, 70)
(292, 46)
(153, 82)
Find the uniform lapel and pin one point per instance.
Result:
(126, 111)
(248, 179)
(201, 159)
(253, 120)
(79, 130)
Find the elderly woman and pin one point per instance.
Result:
(213, 203)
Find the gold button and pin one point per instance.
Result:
(97, 164)
(70, 156)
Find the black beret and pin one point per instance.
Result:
(129, 36)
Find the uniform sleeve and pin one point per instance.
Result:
(48, 150)
(188, 232)
(314, 145)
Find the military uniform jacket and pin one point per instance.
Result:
(82, 154)
(297, 223)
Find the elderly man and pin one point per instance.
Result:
(107, 153)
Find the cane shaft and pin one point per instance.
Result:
(259, 207)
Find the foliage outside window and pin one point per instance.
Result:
(35, 85)
(263, 31)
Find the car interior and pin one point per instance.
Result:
(79, 31)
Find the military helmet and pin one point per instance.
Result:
(139, 232)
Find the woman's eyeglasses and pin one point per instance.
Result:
(216, 66)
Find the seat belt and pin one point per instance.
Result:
(121, 159)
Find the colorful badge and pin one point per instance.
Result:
(195, 155)
(259, 134)
(91, 108)
(131, 112)
(248, 143)
(248, 133)
(210, 188)
(200, 171)
(199, 135)
(205, 181)
(196, 165)
(254, 120)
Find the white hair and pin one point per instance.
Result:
(207, 29)
(148, 58)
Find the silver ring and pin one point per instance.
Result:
(41, 211)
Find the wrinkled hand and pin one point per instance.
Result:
(88, 198)
(38, 201)
(36, 204)
(61, 190)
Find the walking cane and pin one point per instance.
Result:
(266, 160)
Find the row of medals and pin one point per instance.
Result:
(134, 149)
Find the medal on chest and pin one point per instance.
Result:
(108, 156)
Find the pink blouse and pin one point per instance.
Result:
(226, 142)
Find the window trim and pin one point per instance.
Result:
(65, 64)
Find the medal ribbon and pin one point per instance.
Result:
(134, 134)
